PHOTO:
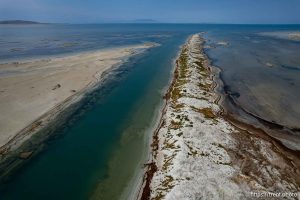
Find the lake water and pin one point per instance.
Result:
(99, 151)
(264, 70)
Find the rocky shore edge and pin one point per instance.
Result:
(200, 152)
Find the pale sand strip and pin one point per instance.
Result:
(198, 152)
(30, 89)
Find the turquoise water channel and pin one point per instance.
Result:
(100, 150)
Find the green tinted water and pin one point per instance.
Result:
(100, 151)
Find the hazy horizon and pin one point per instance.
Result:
(138, 21)
(167, 11)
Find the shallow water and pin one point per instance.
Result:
(263, 71)
(99, 150)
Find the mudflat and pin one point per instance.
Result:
(29, 89)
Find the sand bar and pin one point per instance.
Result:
(198, 152)
(29, 89)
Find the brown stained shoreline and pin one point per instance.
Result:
(151, 167)
(260, 119)
(247, 130)
(257, 132)
(291, 156)
(218, 82)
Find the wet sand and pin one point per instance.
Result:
(31, 90)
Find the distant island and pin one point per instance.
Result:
(145, 21)
(26, 22)
(19, 22)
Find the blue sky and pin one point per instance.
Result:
(182, 11)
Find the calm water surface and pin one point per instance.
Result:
(263, 70)
(101, 148)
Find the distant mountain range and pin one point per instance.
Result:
(132, 21)
(18, 22)
(25, 22)
(145, 21)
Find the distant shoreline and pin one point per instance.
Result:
(149, 22)
(19, 22)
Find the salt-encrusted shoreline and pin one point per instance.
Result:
(200, 153)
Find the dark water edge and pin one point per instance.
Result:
(122, 141)
(260, 82)
(288, 137)
(260, 71)
(128, 160)
(113, 172)
(12, 165)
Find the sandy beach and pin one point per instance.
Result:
(29, 90)
(289, 35)
(200, 152)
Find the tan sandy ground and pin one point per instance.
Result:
(32, 88)
(295, 36)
